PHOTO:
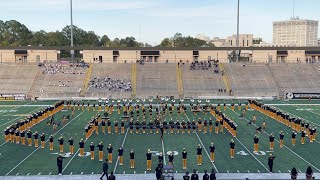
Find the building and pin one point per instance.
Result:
(203, 37)
(218, 42)
(318, 42)
(295, 32)
(245, 40)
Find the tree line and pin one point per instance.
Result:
(14, 33)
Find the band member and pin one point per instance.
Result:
(199, 155)
(71, 148)
(22, 137)
(43, 140)
(96, 126)
(256, 143)
(100, 147)
(131, 126)
(281, 139)
(216, 127)
(239, 106)
(232, 106)
(131, 159)
(293, 138)
(210, 126)
(254, 119)
(61, 144)
(221, 125)
(212, 148)
(81, 146)
(120, 152)
(122, 127)
(184, 159)
(271, 141)
(36, 139)
(149, 160)
(110, 149)
(170, 156)
(232, 146)
(103, 126)
(205, 126)
(116, 129)
(92, 151)
(51, 143)
(137, 125)
(29, 136)
(64, 120)
(160, 158)
(109, 126)
(303, 135)
(199, 125)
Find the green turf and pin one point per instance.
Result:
(27, 160)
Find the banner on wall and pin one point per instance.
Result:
(12, 97)
(303, 95)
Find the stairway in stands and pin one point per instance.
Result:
(86, 81)
(179, 81)
(134, 80)
(225, 78)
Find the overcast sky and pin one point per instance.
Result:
(152, 20)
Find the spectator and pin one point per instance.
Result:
(206, 175)
(213, 175)
(194, 176)
(159, 171)
(186, 176)
(110, 84)
(112, 177)
(270, 162)
(105, 169)
(309, 174)
(294, 173)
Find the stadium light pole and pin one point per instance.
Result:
(237, 41)
(71, 18)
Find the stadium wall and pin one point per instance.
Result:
(31, 56)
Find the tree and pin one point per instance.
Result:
(39, 37)
(166, 43)
(13, 33)
(57, 39)
(105, 41)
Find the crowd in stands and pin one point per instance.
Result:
(200, 65)
(64, 68)
(107, 83)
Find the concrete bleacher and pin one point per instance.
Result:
(251, 80)
(197, 83)
(17, 78)
(156, 79)
(297, 78)
(51, 85)
(114, 71)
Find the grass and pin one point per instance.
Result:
(29, 160)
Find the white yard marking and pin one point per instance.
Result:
(19, 117)
(40, 146)
(264, 132)
(17, 106)
(259, 171)
(39, 174)
(124, 139)
(17, 174)
(279, 171)
(28, 174)
(238, 171)
(92, 173)
(71, 173)
(164, 155)
(205, 149)
(248, 171)
(49, 173)
(3, 144)
(81, 173)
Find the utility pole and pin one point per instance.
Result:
(237, 41)
(71, 17)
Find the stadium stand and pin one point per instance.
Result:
(17, 78)
(156, 79)
(297, 77)
(197, 83)
(251, 80)
(65, 83)
(113, 71)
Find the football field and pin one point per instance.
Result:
(19, 160)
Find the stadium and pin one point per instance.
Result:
(236, 112)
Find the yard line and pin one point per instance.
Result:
(124, 139)
(40, 146)
(300, 117)
(3, 144)
(264, 132)
(205, 149)
(18, 117)
(18, 106)
(164, 155)
(75, 154)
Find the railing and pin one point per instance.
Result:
(134, 79)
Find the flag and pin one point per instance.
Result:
(51, 120)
